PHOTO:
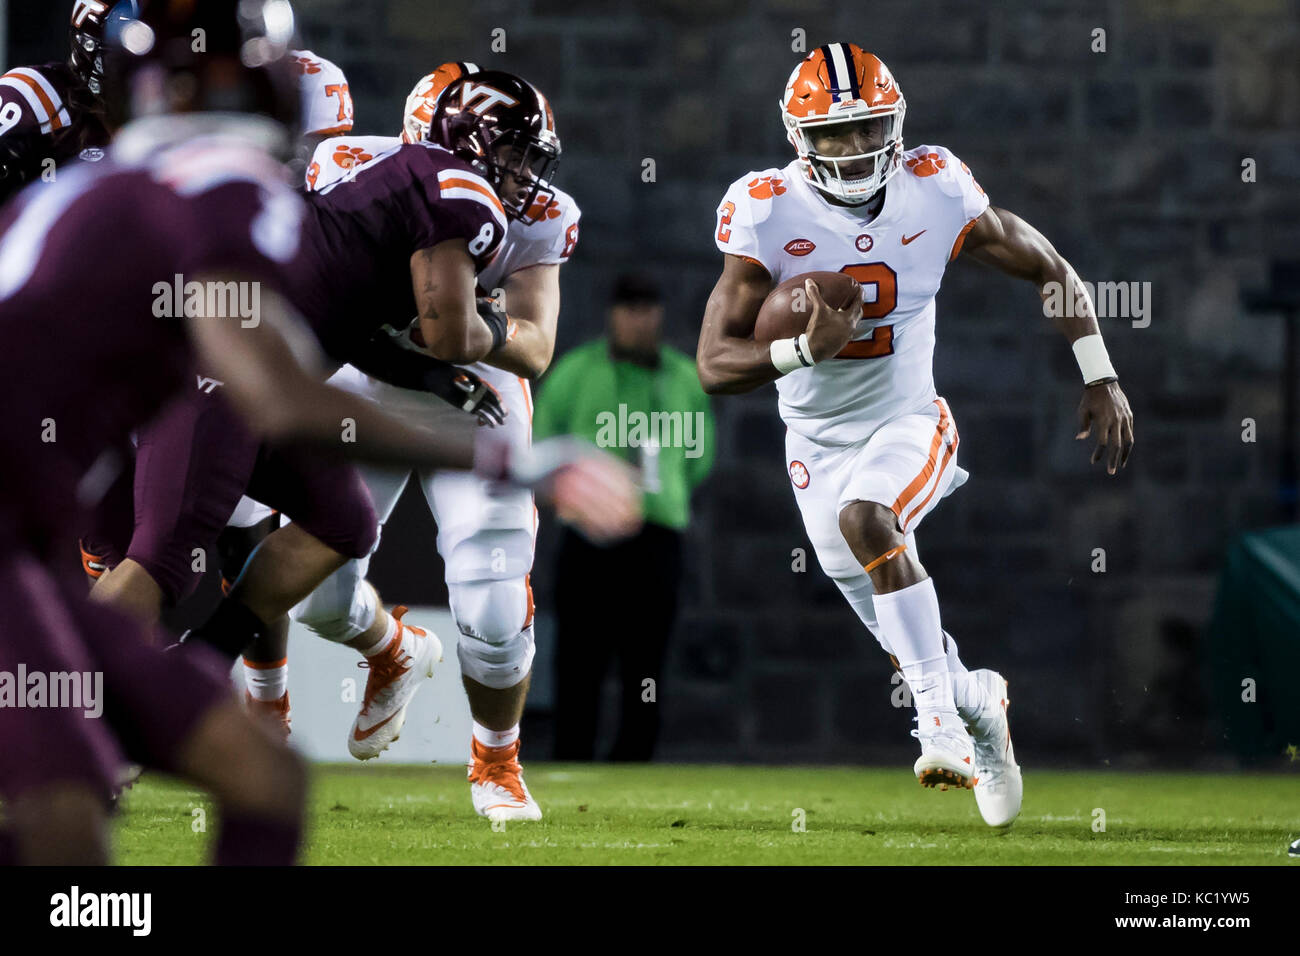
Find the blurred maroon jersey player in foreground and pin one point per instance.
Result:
(140, 212)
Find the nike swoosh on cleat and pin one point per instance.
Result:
(907, 239)
(359, 734)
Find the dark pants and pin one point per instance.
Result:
(152, 701)
(613, 604)
(192, 464)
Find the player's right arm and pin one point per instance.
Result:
(450, 321)
(267, 371)
(457, 225)
(270, 370)
(728, 359)
(384, 358)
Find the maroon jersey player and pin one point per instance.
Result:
(73, 390)
(352, 273)
(401, 235)
(54, 112)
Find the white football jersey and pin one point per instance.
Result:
(334, 158)
(326, 101)
(549, 240)
(775, 218)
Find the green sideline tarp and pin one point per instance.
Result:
(1255, 636)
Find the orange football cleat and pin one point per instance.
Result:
(497, 784)
(275, 712)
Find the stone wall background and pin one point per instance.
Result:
(1129, 160)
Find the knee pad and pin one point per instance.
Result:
(342, 607)
(498, 666)
(492, 612)
(487, 555)
(495, 621)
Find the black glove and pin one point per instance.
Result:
(470, 393)
(497, 320)
(383, 358)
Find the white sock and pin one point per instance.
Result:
(495, 738)
(859, 592)
(955, 666)
(909, 623)
(966, 692)
(381, 645)
(266, 681)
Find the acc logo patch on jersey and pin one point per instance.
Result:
(765, 187)
(799, 474)
(800, 247)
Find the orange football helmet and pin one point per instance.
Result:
(420, 103)
(842, 83)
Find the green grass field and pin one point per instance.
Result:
(675, 814)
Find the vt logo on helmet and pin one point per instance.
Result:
(504, 128)
(843, 113)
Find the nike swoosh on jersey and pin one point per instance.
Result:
(907, 239)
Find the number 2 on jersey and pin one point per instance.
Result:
(724, 221)
(884, 280)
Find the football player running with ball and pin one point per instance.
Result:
(871, 447)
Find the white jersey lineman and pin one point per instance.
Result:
(866, 425)
(486, 535)
(326, 100)
(334, 158)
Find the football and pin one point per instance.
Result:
(786, 310)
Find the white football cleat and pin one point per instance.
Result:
(395, 675)
(946, 752)
(998, 786)
(496, 784)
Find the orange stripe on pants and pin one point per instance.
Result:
(917, 484)
(944, 464)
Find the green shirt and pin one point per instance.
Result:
(658, 419)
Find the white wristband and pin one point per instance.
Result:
(791, 354)
(1094, 363)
